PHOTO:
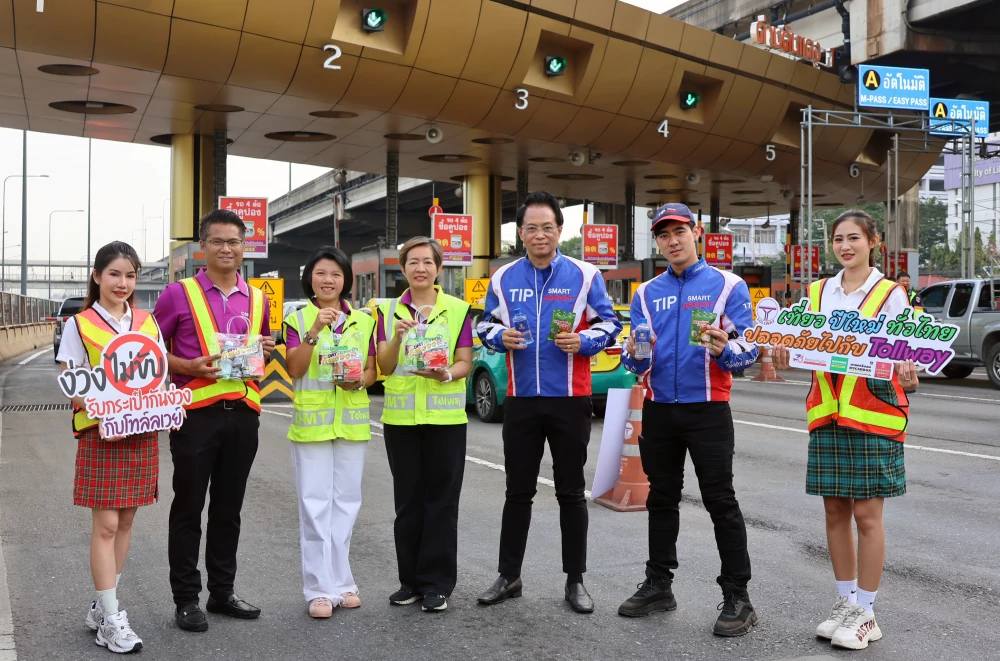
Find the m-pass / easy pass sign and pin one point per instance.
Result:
(893, 87)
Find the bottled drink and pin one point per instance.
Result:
(226, 364)
(643, 342)
(325, 368)
(520, 322)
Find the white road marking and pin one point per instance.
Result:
(7, 650)
(32, 357)
(907, 445)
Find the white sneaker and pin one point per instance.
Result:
(859, 627)
(116, 634)
(827, 628)
(94, 615)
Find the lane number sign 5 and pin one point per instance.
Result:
(335, 55)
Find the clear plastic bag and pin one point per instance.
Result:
(427, 346)
(241, 356)
(339, 357)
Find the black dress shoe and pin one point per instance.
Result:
(578, 598)
(501, 591)
(191, 618)
(233, 606)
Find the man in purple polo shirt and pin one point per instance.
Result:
(217, 442)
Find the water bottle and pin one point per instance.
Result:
(643, 342)
(521, 326)
(325, 368)
(226, 364)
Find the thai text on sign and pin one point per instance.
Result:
(454, 233)
(600, 245)
(783, 39)
(253, 212)
(126, 391)
(843, 342)
(719, 250)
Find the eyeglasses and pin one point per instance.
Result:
(232, 243)
(530, 230)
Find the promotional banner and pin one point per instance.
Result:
(253, 212)
(125, 392)
(843, 342)
(719, 250)
(798, 259)
(600, 245)
(454, 233)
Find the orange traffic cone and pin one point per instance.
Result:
(767, 371)
(632, 488)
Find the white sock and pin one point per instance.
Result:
(848, 589)
(109, 598)
(118, 577)
(866, 600)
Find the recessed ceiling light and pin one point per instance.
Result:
(576, 177)
(404, 137)
(92, 107)
(630, 164)
(450, 158)
(334, 114)
(300, 136)
(68, 70)
(218, 107)
(493, 141)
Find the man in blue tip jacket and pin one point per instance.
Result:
(548, 392)
(687, 410)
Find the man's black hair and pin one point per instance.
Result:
(540, 198)
(220, 217)
(334, 254)
(902, 274)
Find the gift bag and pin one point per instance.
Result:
(340, 360)
(241, 356)
(427, 346)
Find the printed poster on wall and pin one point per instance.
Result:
(454, 233)
(253, 212)
(600, 245)
(719, 250)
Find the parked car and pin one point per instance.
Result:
(288, 308)
(487, 382)
(972, 306)
(68, 308)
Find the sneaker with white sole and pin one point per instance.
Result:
(828, 627)
(116, 634)
(434, 602)
(858, 629)
(94, 615)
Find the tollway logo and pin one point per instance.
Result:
(872, 80)
(767, 311)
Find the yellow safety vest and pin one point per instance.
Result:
(96, 333)
(414, 400)
(205, 392)
(851, 402)
(323, 411)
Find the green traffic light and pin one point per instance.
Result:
(373, 20)
(689, 100)
(555, 66)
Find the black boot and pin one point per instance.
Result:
(654, 595)
(738, 615)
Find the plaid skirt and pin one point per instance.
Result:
(116, 475)
(847, 463)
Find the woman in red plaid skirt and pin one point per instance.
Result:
(856, 432)
(117, 475)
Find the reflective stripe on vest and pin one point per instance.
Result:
(322, 410)
(208, 391)
(852, 404)
(96, 333)
(415, 400)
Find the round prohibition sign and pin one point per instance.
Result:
(136, 355)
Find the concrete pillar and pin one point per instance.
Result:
(909, 220)
(392, 199)
(483, 200)
(522, 192)
(626, 247)
(714, 211)
(192, 187)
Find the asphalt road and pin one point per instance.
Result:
(937, 600)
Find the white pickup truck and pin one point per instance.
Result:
(974, 307)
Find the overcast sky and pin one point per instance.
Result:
(129, 181)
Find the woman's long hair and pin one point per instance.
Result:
(104, 257)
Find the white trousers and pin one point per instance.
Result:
(328, 480)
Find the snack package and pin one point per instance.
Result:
(426, 348)
(562, 322)
(337, 361)
(700, 320)
(241, 357)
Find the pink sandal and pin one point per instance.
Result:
(351, 600)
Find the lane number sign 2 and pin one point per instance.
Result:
(335, 55)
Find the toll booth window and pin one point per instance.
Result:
(960, 300)
(933, 298)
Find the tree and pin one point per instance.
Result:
(572, 247)
(933, 229)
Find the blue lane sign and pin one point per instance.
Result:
(893, 87)
(943, 112)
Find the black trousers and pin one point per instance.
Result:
(705, 430)
(215, 446)
(427, 464)
(527, 423)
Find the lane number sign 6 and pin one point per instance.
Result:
(854, 171)
(335, 55)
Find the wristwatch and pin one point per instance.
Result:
(450, 378)
(309, 339)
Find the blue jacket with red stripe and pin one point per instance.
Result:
(542, 369)
(679, 372)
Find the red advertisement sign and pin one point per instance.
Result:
(454, 233)
(719, 250)
(253, 212)
(797, 258)
(600, 245)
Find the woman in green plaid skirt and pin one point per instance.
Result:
(856, 431)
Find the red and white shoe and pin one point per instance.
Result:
(858, 629)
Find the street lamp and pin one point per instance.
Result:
(50, 243)
(3, 226)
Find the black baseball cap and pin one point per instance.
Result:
(669, 212)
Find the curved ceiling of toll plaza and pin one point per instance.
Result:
(256, 68)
